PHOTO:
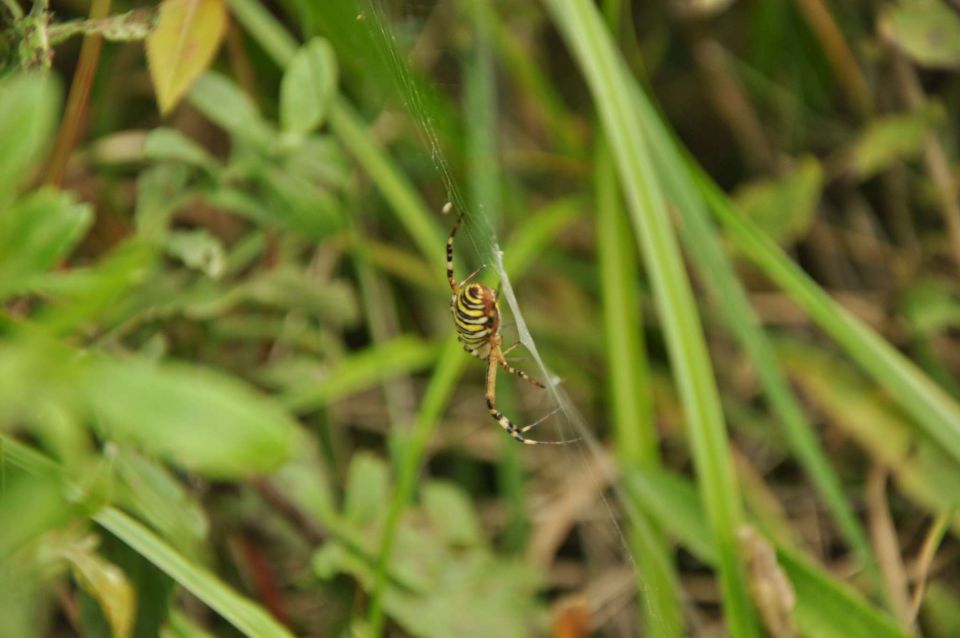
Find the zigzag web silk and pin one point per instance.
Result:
(477, 227)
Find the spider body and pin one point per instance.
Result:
(476, 316)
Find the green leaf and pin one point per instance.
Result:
(298, 203)
(28, 112)
(308, 86)
(361, 371)
(29, 506)
(88, 294)
(444, 580)
(451, 513)
(35, 233)
(367, 489)
(224, 104)
(198, 249)
(926, 30)
(829, 608)
(932, 305)
(171, 144)
(784, 206)
(889, 139)
(197, 418)
(182, 46)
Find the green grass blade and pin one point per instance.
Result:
(363, 370)
(931, 407)
(247, 617)
(730, 298)
(630, 395)
(611, 86)
(825, 606)
(265, 29)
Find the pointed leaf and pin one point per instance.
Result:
(198, 249)
(308, 87)
(35, 233)
(183, 45)
(28, 111)
(927, 30)
(227, 106)
(107, 584)
(171, 144)
(784, 206)
(196, 417)
(889, 139)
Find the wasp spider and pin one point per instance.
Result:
(477, 317)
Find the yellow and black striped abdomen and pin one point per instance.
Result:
(476, 315)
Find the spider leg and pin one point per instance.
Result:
(454, 286)
(498, 416)
(472, 275)
(546, 416)
(509, 368)
(512, 348)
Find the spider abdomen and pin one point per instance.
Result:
(476, 315)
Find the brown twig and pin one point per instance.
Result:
(300, 521)
(929, 549)
(78, 99)
(263, 577)
(887, 547)
(732, 105)
(849, 76)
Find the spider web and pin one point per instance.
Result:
(585, 448)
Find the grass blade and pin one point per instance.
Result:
(610, 84)
(931, 407)
(629, 391)
(247, 617)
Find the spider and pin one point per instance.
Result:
(477, 317)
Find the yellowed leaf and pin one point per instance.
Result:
(106, 583)
(182, 46)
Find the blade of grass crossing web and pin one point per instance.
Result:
(704, 249)
(610, 84)
(630, 396)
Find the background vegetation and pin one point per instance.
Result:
(231, 401)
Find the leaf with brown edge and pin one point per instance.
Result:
(183, 45)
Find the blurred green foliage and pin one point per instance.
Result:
(227, 367)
